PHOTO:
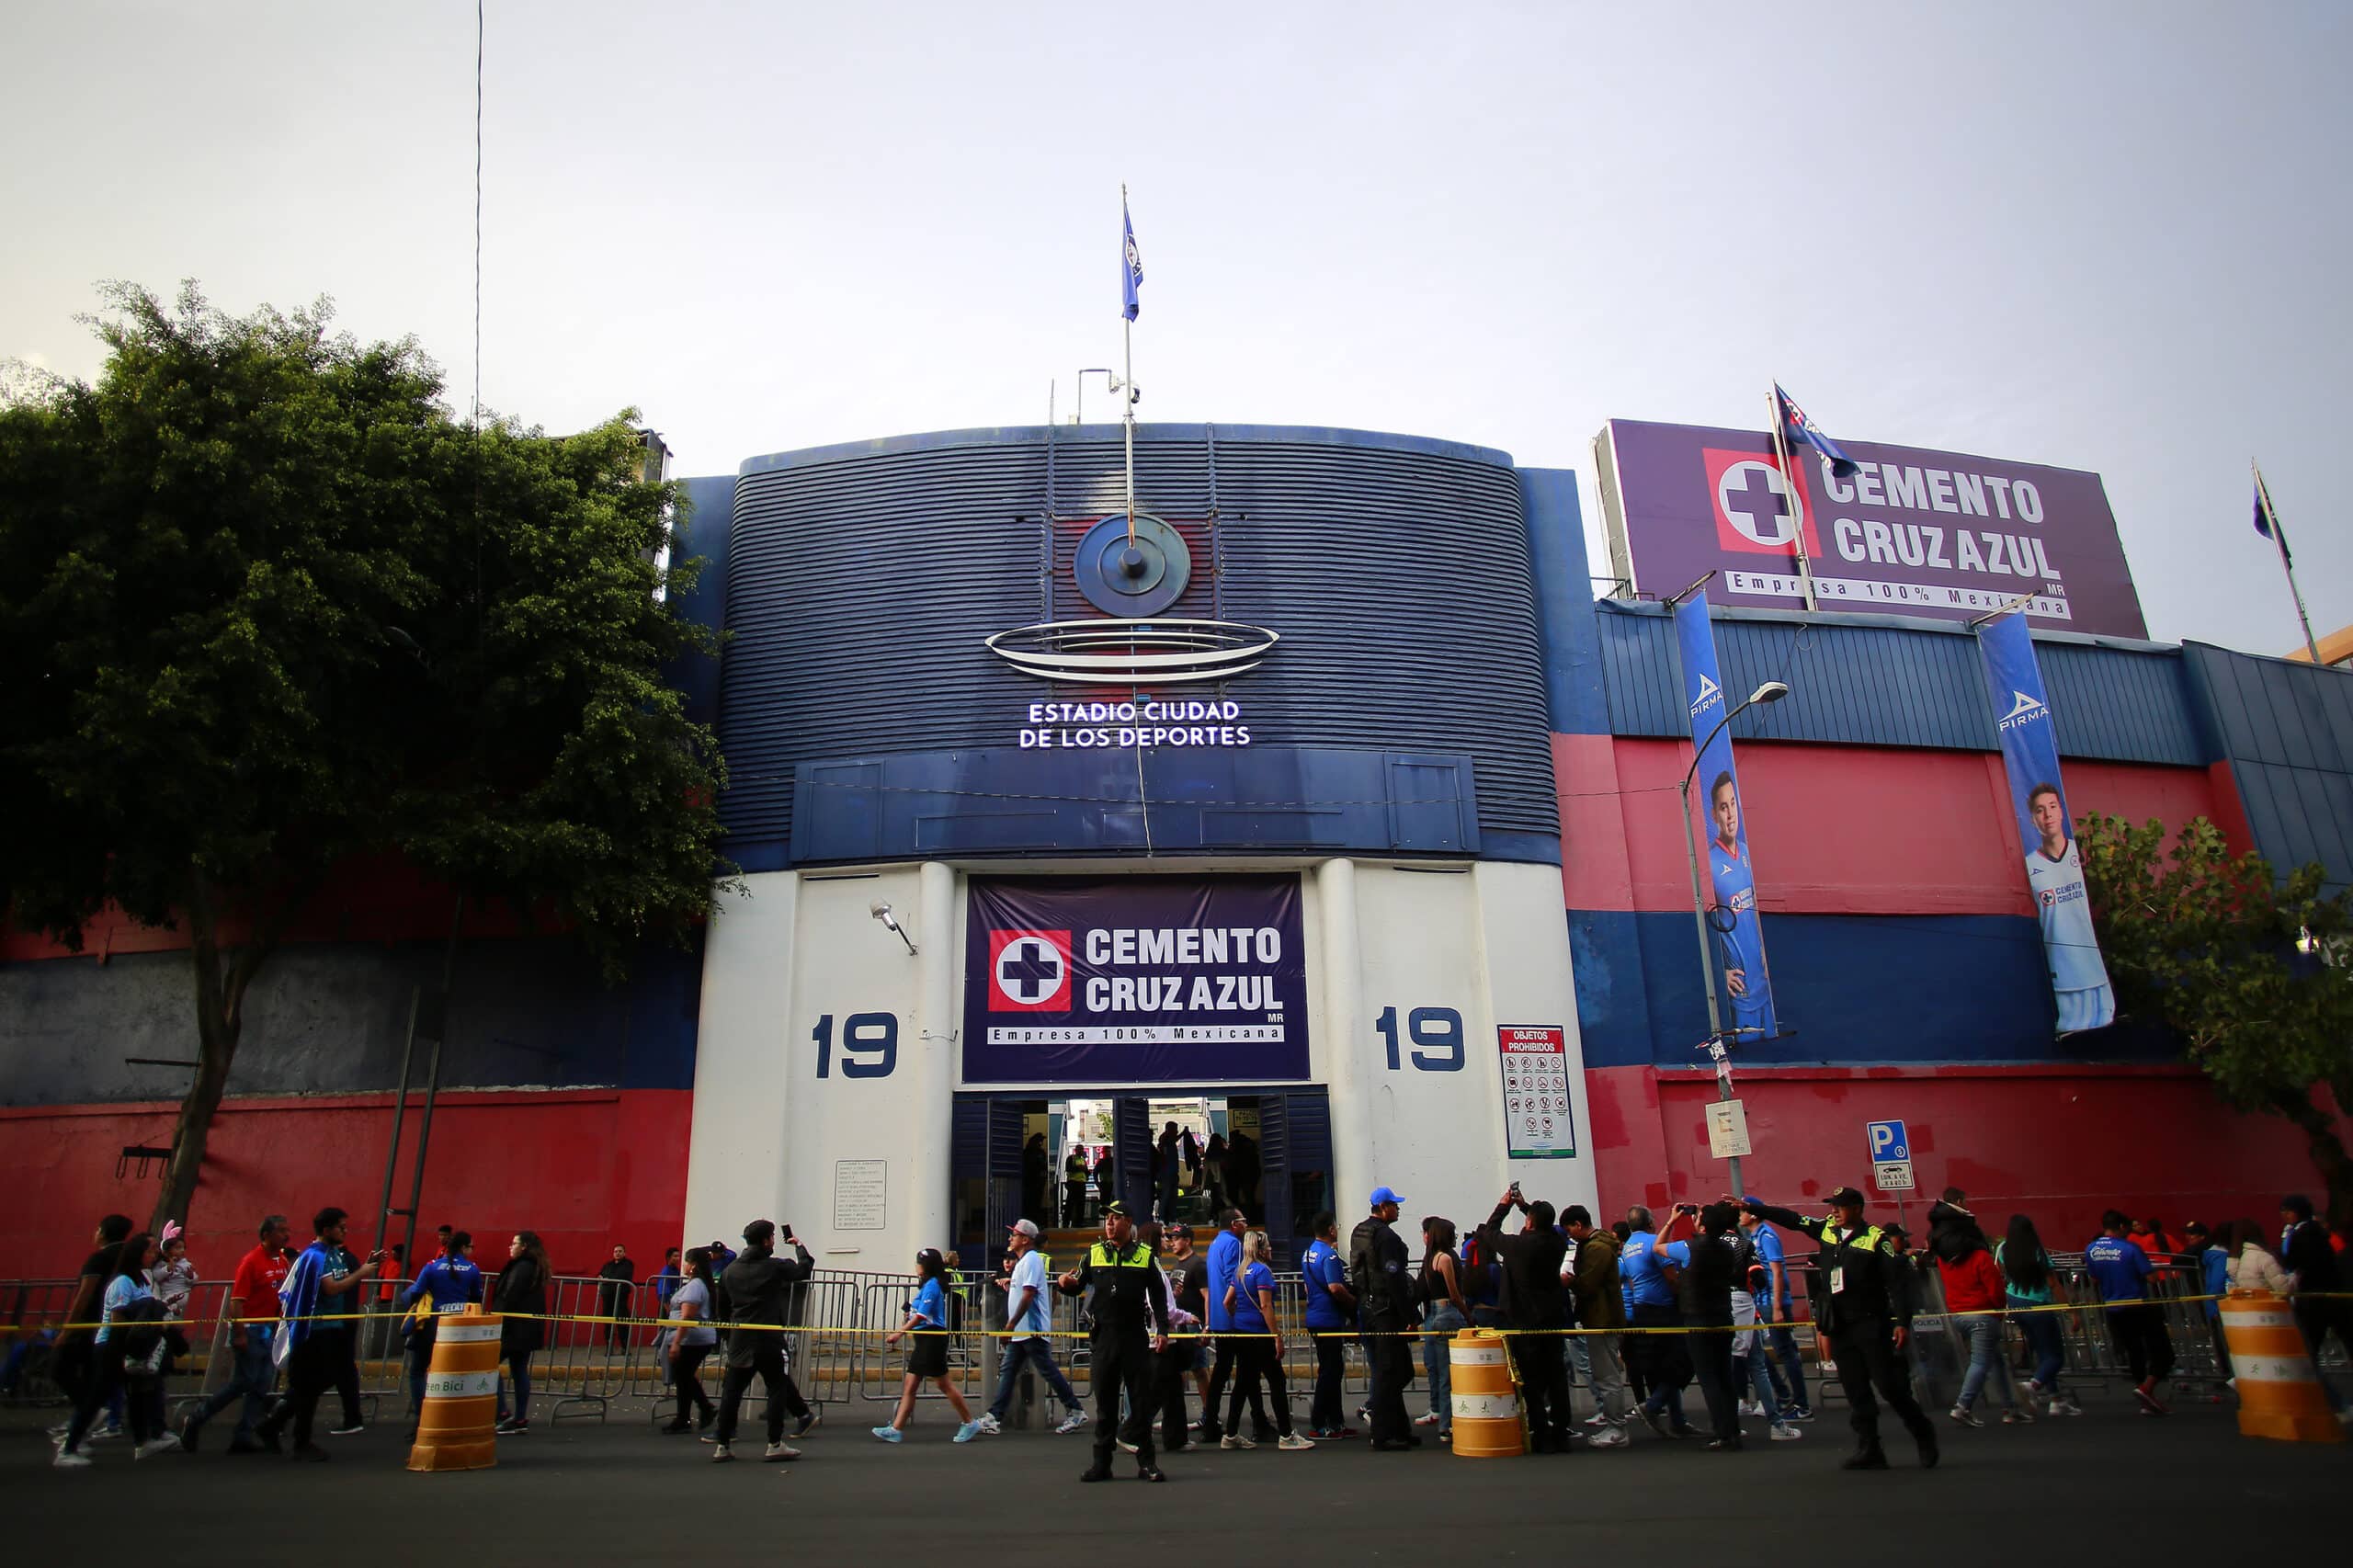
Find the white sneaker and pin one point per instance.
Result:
(1231, 1441)
(1966, 1416)
(1597, 1419)
(1750, 1407)
(723, 1454)
(2021, 1416)
(987, 1425)
(1294, 1444)
(1610, 1437)
(1070, 1422)
(1429, 1419)
(162, 1445)
(780, 1451)
(1785, 1433)
(64, 1460)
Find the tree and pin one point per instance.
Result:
(266, 606)
(2211, 945)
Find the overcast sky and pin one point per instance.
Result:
(2111, 237)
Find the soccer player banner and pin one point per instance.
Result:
(1737, 941)
(2055, 868)
(1134, 980)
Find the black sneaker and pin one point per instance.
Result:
(356, 1427)
(1097, 1472)
(808, 1423)
(514, 1427)
(1149, 1473)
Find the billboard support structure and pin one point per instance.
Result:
(1776, 423)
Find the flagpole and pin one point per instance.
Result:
(1128, 340)
(1776, 422)
(2279, 539)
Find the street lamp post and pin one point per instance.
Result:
(1771, 691)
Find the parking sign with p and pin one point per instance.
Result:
(1888, 1140)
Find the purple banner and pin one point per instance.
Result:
(1135, 980)
(1913, 532)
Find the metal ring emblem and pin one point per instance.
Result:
(1122, 652)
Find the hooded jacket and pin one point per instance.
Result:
(1953, 1232)
(757, 1285)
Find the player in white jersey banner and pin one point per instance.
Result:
(2055, 868)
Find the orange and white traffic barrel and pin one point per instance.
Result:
(2280, 1394)
(1487, 1422)
(455, 1427)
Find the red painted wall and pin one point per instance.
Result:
(1839, 830)
(2059, 1142)
(585, 1169)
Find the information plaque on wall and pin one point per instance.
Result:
(861, 1189)
(1537, 1123)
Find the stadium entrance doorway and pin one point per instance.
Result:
(1276, 1164)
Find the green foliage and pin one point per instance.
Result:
(2207, 943)
(265, 606)
(270, 606)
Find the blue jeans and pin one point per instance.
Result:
(2042, 1336)
(1786, 1365)
(1984, 1337)
(1009, 1372)
(1438, 1366)
(251, 1378)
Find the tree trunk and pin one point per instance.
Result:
(220, 1021)
(2328, 1153)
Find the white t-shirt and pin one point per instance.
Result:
(1030, 1270)
(699, 1331)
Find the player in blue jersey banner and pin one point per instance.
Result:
(2055, 868)
(1732, 917)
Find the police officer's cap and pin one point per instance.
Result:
(1845, 1198)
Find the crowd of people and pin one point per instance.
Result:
(1638, 1310)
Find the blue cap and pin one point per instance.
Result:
(1381, 1195)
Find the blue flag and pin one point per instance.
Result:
(1131, 261)
(1737, 940)
(2268, 526)
(2055, 868)
(1798, 427)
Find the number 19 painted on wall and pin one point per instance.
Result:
(869, 1045)
(1435, 1032)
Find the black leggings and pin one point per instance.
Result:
(686, 1372)
(1257, 1362)
(139, 1406)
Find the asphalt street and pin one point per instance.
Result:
(2108, 1486)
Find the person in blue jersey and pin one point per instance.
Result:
(450, 1281)
(1028, 1316)
(685, 1346)
(2054, 876)
(1250, 1301)
(1225, 1252)
(1331, 1317)
(1785, 1366)
(316, 1296)
(1658, 1359)
(1740, 942)
(927, 1355)
(2120, 1270)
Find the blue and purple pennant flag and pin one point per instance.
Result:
(1798, 427)
(2266, 524)
(1131, 261)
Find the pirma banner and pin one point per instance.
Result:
(1134, 980)
(1738, 940)
(2055, 868)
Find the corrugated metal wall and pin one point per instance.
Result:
(1876, 683)
(861, 580)
(2287, 730)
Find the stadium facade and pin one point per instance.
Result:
(1377, 853)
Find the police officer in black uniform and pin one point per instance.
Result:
(1867, 1310)
(1131, 1327)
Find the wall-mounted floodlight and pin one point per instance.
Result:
(883, 912)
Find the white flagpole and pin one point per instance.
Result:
(1128, 337)
(2279, 539)
(1774, 423)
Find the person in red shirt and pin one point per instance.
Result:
(1974, 1284)
(252, 1294)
